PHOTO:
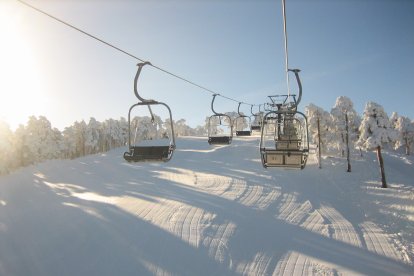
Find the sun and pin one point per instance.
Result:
(22, 90)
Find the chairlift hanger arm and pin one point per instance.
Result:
(296, 72)
(251, 110)
(140, 65)
(212, 106)
(238, 111)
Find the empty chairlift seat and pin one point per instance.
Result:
(149, 150)
(219, 140)
(220, 127)
(148, 153)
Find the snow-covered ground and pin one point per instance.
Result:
(211, 210)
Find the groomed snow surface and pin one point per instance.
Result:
(211, 210)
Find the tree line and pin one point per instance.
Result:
(337, 131)
(38, 140)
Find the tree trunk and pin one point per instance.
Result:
(407, 147)
(347, 143)
(381, 163)
(319, 145)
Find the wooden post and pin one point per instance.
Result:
(381, 163)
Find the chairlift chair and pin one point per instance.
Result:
(140, 152)
(257, 119)
(219, 120)
(281, 150)
(288, 145)
(239, 124)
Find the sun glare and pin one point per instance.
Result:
(21, 87)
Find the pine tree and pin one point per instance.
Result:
(320, 126)
(376, 131)
(344, 119)
(405, 130)
(93, 136)
(6, 148)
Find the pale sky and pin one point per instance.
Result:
(362, 49)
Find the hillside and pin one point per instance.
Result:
(211, 210)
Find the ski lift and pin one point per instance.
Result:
(220, 127)
(240, 124)
(284, 138)
(257, 119)
(288, 144)
(148, 149)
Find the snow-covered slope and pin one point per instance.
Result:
(212, 210)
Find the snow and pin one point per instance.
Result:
(211, 210)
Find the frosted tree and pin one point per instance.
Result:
(376, 131)
(69, 143)
(211, 125)
(80, 137)
(344, 119)
(146, 128)
(320, 124)
(41, 141)
(6, 148)
(405, 130)
(167, 127)
(181, 128)
(93, 136)
(19, 146)
(200, 131)
(114, 134)
(123, 124)
(393, 119)
(393, 123)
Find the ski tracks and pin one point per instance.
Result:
(327, 221)
(199, 228)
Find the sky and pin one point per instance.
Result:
(359, 49)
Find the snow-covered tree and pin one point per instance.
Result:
(41, 140)
(405, 130)
(211, 125)
(199, 131)
(93, 136)
(144, 128)
(80, 137)
(393, 123)
(69, 143)
(6, 148)
(123, 124)
(376, 131)
(320, 127)
(344, 118)
(74, 140)
(181, 128)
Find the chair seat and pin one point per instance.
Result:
(243, 133)
(148, 153)
(219, 140)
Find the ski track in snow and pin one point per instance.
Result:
(210, 211)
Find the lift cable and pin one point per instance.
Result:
(286, 47)
(127, 53)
